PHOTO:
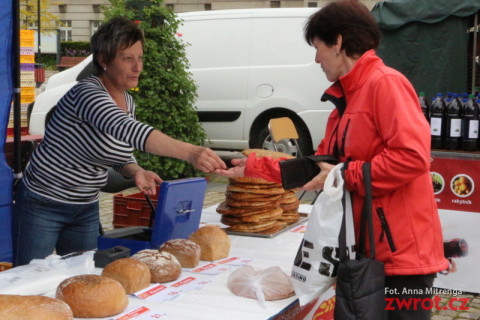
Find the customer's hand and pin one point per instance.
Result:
(204, 159)
(319, 180)
(147, 181)
(238, 169)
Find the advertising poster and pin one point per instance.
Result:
(460, 233)
(456, 183)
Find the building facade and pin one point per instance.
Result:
(80, 19)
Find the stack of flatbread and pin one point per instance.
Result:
(256, 205)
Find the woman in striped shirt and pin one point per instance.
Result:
(93, 128)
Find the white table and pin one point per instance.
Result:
(215, 301)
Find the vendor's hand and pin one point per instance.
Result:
(319, 180)
(238, 169)
(204, 159)
(147, 181)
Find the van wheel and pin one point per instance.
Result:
(263, 140)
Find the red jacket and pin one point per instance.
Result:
(378, 119)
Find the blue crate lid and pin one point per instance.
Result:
(179, 208)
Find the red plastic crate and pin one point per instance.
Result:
(132, 210)
(5, 266)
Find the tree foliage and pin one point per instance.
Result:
(29, 15)
(166, 93)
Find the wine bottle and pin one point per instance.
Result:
(470, 124)
(453, 119)
(437, 125)
(424, 105)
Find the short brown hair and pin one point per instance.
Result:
(116, 34)
(349, 18)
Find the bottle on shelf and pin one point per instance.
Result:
(453, 119)
(470, 124)
(424, 105)
(437, 123)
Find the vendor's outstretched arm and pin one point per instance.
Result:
(201, 158)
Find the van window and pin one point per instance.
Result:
(227, 41)
(280, 42)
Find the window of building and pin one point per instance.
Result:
(62, 8)
(274, 4)
(32, 24)
(207, 6)
(96, 8)
(65, 29)
(94, 24)
(312, 4)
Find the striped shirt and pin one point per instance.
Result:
(87, 134)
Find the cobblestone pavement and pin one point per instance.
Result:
(450, 306)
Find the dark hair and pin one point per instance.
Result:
(349, 18)
(116, 34)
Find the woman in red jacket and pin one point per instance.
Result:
(377, 119)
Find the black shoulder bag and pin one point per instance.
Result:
(360, 287)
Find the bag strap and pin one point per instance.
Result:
(342, 236)
(366, 218)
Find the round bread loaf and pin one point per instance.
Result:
(186, 251)
(213, 241)
(14, 307)
(164, 267)
(133, 275)
(92, 296)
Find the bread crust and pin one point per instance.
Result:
(242, 196)
(132, 274)
(14, 307)
(269, 215)
(164, 267)
(213, 241)
(92, 296)
(275, 190)
(186, 251)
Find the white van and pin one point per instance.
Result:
(250, 65)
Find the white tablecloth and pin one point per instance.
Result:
(215, 301)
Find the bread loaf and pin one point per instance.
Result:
(15, 307)
(186, 251)
(132, 274)
(213, 241)
(92, 296)
(164, 267)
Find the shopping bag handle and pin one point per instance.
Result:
(365, 221)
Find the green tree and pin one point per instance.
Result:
(166, 93)
(29, 15)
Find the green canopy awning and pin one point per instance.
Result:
(429, 41)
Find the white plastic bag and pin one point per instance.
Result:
(264, 285)
(315, 267)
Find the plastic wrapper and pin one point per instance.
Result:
(264, 285)
(44, 275)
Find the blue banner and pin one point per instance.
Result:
(6, 94)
